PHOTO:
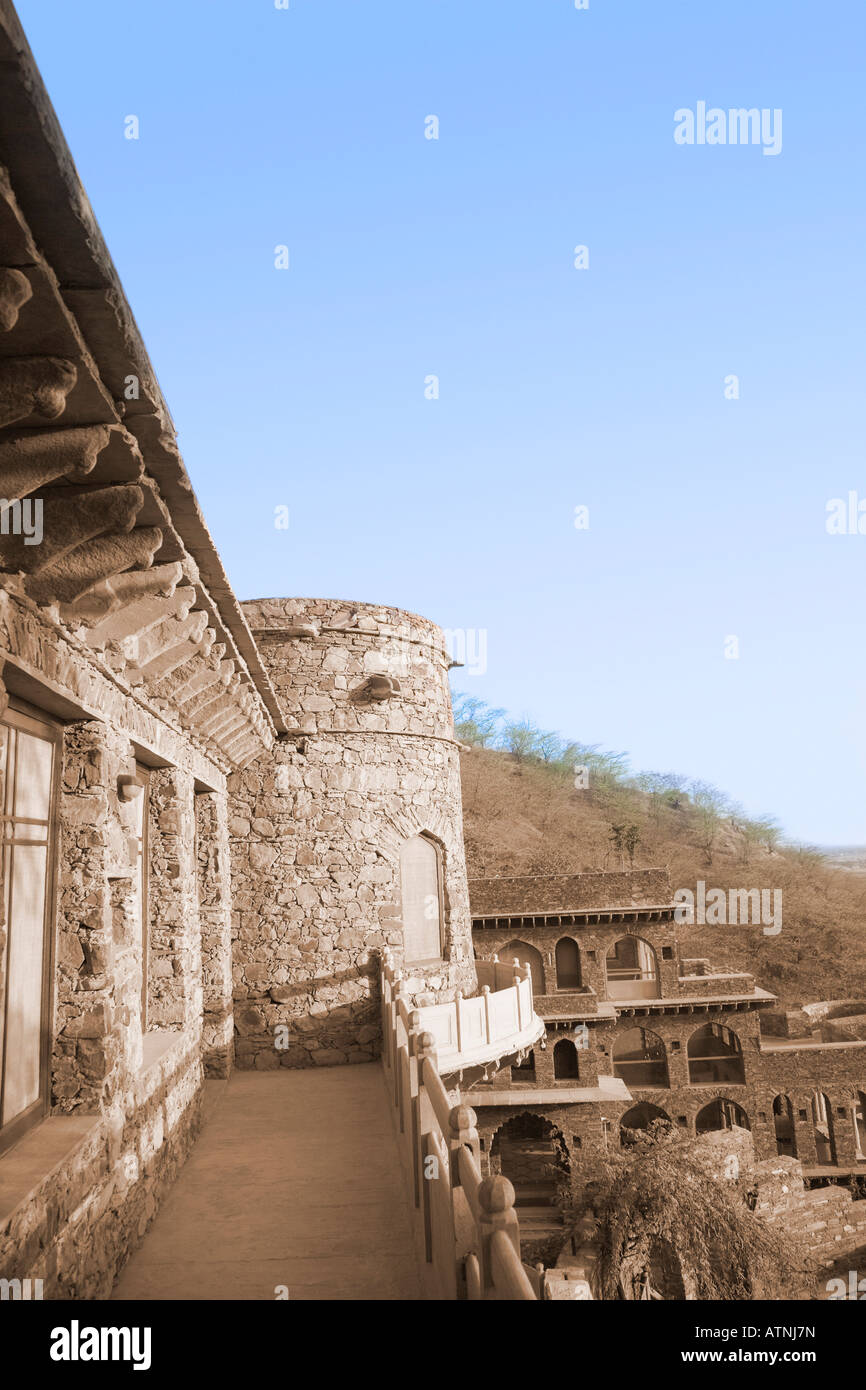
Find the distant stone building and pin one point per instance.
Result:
(636, 1032)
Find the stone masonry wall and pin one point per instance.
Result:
(78, 1226)
(827, 1220)
(511, 895)
(127, 1103)
(316, 831)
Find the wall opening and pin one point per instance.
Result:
(640, 1117)
(860, 1125)
(532, 1153)
(567, 964)
(639, 1058)
(524, 1071)
(632, 969)
(721, 1114)
(822, 1124)
(527, 955)
(565, 1061)
(783, 1123)
(715, 1056)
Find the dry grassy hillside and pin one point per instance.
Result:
(523, 814)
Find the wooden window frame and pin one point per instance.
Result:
(31, 720)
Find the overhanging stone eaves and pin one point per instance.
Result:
(56, 207)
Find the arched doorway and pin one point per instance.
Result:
(715, 1055)
(527, 955)
(721, 1114)
(640, 1059)
(639, 1117)
(822, 1125)
(632, 969)
(567, 964)
(532, 1153)
(565, 1064)
(783, 1123)
(660, 1277)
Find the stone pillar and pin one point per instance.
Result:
(214, 898)
(96, 976)
(174, 966)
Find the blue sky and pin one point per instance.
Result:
(558, 387)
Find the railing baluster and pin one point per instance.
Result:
(485, 992)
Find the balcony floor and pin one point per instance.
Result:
(295, 1180)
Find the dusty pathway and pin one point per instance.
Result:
(294, 1181)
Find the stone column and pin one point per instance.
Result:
(174, 968)
(96, 982)
(214, 898)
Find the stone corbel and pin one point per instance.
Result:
(30, 461)
(132, 587)
(15, 290)
(96, 560)
(377, 688)
(34, 386)
(69, 522)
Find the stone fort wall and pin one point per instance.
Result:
(316, 829)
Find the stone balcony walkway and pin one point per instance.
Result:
(295, 1180)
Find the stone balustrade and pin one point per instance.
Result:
(466, 1226)
(476, 1036)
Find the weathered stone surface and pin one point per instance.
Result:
(317, 829)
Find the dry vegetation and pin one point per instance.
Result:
(661, 1219)
(524, 815)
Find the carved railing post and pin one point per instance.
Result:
(397, 993)
(423, 1045)
(424, 1050)
(496, 1200)
(463, 1133)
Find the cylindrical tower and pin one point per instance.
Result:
(349, 837)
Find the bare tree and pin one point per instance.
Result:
(711, 806)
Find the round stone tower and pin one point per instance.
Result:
(349, 837)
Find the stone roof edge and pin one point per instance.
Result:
(55, 203)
